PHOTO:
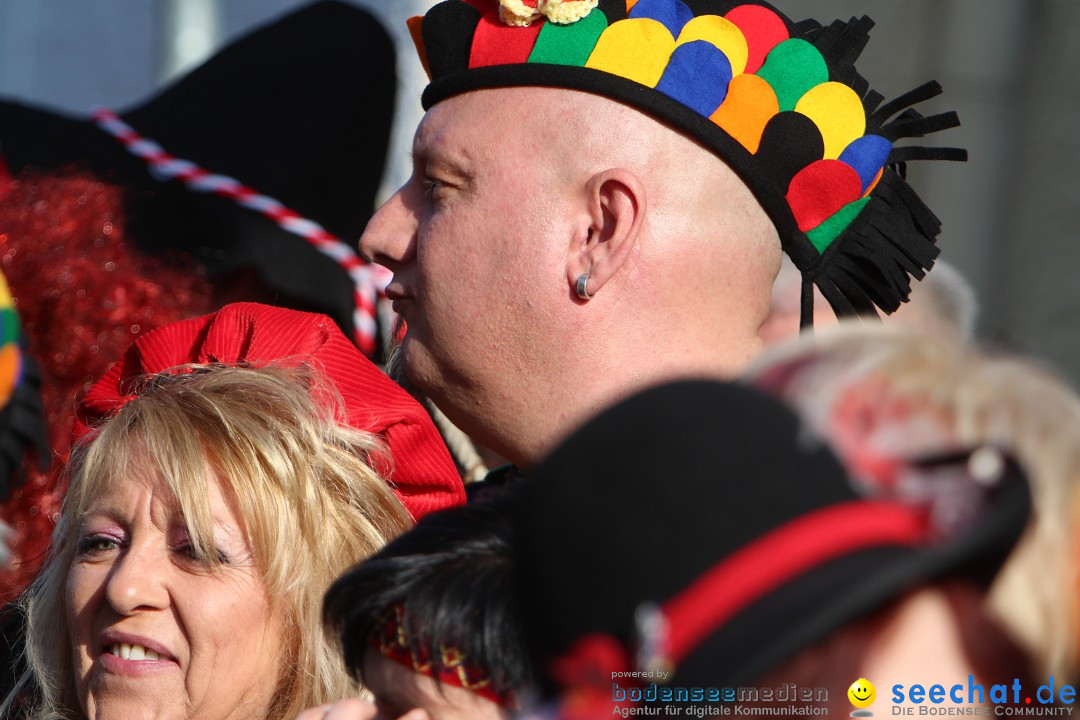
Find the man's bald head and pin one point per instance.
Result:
(584, 134)
(703, 231)
(518, 192)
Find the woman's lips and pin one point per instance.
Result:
(128, 654)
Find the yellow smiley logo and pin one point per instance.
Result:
(862, 693)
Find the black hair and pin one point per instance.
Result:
(451, 576)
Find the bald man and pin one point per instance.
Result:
(571, 234)
(487, 247)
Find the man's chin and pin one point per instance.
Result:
(404, 368)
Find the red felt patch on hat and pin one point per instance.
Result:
(496, 43)
(763, 30)
(820, 189)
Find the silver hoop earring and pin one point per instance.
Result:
(583, 286)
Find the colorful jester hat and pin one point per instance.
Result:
(780, 102)
(22, 424)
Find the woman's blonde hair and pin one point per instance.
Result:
(984, 396)
(299, 477)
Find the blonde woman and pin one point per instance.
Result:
(230, 468)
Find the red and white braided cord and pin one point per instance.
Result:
(369, 280)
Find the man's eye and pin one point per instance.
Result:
(430, 186)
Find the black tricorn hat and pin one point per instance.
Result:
(701, 527)
(265, 159)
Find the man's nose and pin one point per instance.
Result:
(390, 236)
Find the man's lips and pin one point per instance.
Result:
(394, 292)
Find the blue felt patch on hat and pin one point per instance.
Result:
(697, 75)
(672, 13)
(867, 155)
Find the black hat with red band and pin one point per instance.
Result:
(701, 528)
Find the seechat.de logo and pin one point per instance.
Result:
(862, 695)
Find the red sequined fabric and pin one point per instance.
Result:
(83, 294)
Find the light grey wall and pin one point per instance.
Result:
(76, 55)
(1010, 214)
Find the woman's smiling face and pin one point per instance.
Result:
(157, 633)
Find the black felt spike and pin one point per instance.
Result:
(806, 303)
(836, 299)
(840, 44)
(918, 95)
(867, 286)
(886, 287)
(908, 114)
(862, 247)
(906, 201)
(849, 286)
(808, 28)
(843, 42)
(907, 153)
(858, 83)
(871, 100)
(894, 283)
(853, 41)
(448, 30)
(790, 142)
(918, 127)
(826, 38)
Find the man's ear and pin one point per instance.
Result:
(616, 211)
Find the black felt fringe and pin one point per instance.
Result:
(894, 238)
(872, 263)
(22, 429)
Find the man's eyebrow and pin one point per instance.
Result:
(450, 160)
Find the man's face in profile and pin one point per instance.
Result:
(472, 239)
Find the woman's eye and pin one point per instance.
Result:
(93, 544)
(188, 551)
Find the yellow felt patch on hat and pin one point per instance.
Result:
(748, 107)
(723, 34)
(837, 111)
(637, 49)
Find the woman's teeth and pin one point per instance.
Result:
(133, 652)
